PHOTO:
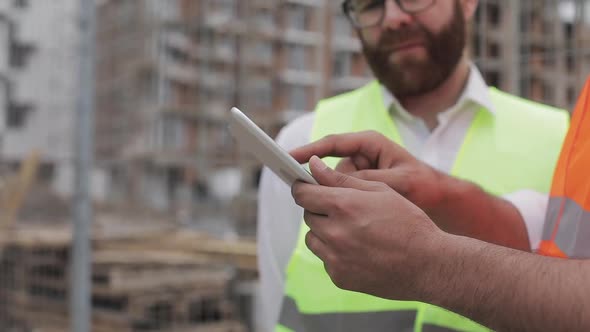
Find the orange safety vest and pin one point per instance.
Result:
(566, 232)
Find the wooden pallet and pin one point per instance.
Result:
(120, 310)
(42, 320)
(154, 312)
(166, 281)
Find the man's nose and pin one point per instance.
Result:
(394, 17)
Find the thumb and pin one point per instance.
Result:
(328, 177)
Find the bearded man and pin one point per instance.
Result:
(430, 100)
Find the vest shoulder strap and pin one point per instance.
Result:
(358, 110)
(523, 110)
(496, 141)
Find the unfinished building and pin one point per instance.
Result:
(169, 71)
(534, 48)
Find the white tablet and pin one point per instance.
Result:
(266, 150)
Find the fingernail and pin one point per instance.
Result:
(317, 163)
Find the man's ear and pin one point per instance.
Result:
(469, 8)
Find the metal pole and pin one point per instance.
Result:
(514, 67)
(80, 300)
(524, 73)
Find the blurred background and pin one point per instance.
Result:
(174, 200)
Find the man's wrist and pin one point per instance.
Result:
(433, 249)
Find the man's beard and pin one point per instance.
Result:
(410, 76)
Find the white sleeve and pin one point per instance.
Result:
(279, 219)
(532, 206)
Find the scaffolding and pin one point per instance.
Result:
(533, 48)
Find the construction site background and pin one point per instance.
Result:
(173, 232)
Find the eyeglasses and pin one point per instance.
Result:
(368, 13)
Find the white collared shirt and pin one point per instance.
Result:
(279, 217)
(439, 147)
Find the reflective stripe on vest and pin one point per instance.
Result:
(521, 133)
(567, 227)
(292, 319)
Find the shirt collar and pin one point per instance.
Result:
(476, 91)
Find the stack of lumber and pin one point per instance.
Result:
(155, 280)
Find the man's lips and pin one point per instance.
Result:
(406, 46)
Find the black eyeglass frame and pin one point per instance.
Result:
(346, 4)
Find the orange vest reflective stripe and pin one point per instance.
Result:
(566, 232)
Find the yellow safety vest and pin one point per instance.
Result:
(515, 148)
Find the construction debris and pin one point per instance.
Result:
(164, 280)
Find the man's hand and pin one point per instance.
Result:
(372, 240)
(369, 237)
(373, 157)
(456, 206)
